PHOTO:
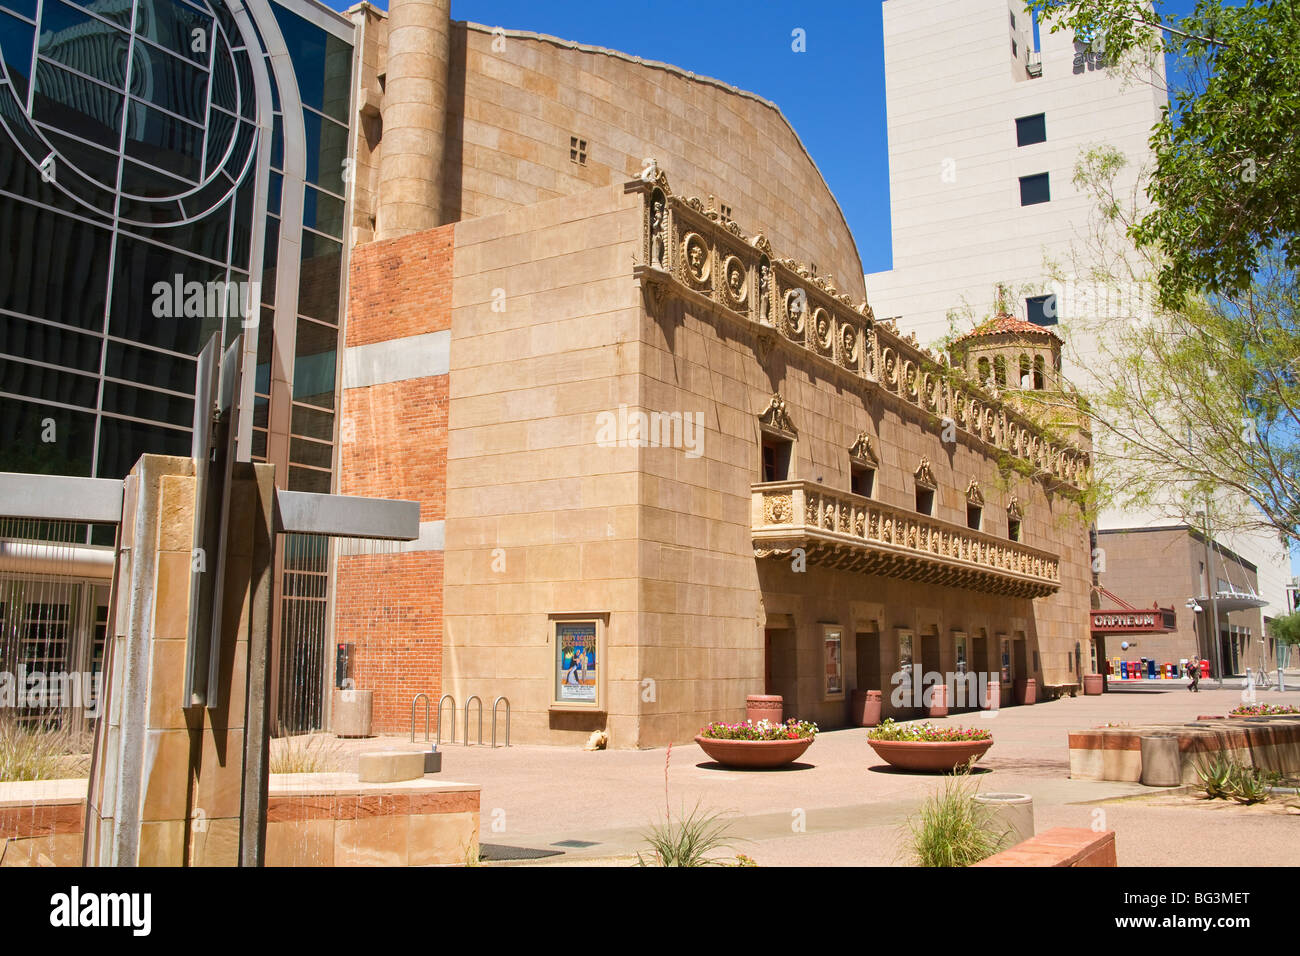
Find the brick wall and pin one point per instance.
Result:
(393, 444)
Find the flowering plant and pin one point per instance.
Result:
(927, 732)
(1262, 710)
(792, 729)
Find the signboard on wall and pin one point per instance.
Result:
(833, 649)
(575, 646)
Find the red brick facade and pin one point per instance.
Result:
(393, 444)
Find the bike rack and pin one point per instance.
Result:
(494, 721)
(480, 719)
(415, 700)
(442, 700)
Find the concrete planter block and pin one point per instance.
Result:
(390, 766)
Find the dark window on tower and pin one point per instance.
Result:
(578, 150)
(1035, 189)
(776, 458)
(974, 517)
(1013, 529)
(925, 500)
(1031, 130)
(1041, 310)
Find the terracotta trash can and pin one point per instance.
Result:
(1093, 685)
(938, 695)
(865, 708)
(765, 707)
(1026, 690)
(993, 698)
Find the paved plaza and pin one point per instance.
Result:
(842, 806)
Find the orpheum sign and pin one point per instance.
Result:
(1157, 620)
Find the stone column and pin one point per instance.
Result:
(414, 111)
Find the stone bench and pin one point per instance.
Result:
(1060, 846)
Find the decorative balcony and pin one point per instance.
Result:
(842, 530)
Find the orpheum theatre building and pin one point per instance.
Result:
(665, 454)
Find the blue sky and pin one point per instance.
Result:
(833, 94)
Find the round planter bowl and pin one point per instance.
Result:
(754, 754)
(929, 756)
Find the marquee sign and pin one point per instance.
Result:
(1155, 620)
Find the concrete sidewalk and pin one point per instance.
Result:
(841, 805)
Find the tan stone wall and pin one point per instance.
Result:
(539, 519)
(512, 107)
(542, 518)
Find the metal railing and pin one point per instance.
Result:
(442, 700)
(500, 700)
(471, 700)
(415, 700)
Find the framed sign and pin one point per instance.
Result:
(577, 661)
(833, 650)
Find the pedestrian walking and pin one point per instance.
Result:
(1194, 671)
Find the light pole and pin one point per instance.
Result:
(1216, 646)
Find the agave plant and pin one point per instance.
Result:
(1250, 784)
(1214, 776)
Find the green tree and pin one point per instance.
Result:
(1189, 404)
(1226, 184)
(1286, 629)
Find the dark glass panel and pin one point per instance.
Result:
(1031, 130)
(322, 211)
(224, 93)
(16, 48)
(89, 46)
(172, 25)
(164, 141)
(277, 141)
(49, 385)
(49, 343)
(141, 181)
(207, 236)
(98, 164)
(144, 403)
(122, 443)
(307, 479)
(1035, 190)
(26, 424)
(52, 266)
(274, 187)
(313, 423)
(265, 330)
(85, 109)
(140, 266)
(26, 7)
(145, 365)
(314, 362)
(318, 283)
(261, 410)
(259, 445)
(270, 259)
(321, 61)
(119, 11)
(170, 82)
(327, 147)
(312, 453)
(244, 71)
(221, 131)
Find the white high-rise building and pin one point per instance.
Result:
(984, 135)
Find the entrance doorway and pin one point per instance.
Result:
(780, 672)
(868, 651)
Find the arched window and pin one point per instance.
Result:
(1025, 381)
(984, 370)
(1000, 370)
(1040, 379)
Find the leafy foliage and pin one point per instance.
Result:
(1286, 629)
(951, 829)
(926, 732)
(1227, 173)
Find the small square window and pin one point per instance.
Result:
(776, 458)
(577, 150)
(1041, 310)
(725, 210)
(925, 500)
(1031, 130)
(863, 480)
(1035, 189)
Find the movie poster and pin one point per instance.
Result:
(834, 663)
(576, 661)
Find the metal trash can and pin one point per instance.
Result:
(1009, 813)
(1161, 764)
